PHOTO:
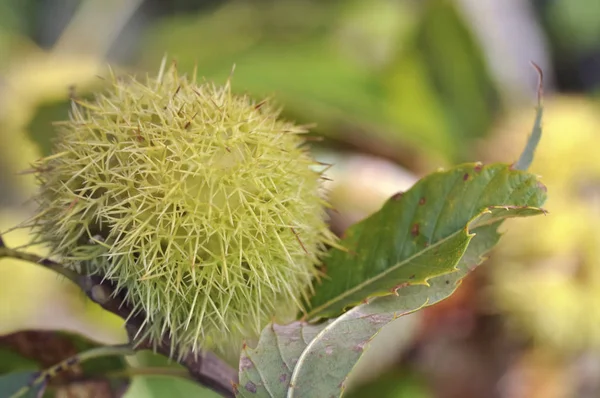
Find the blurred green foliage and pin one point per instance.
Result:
(576, 24)
(148, 386)
(406, 73)
(403, 383)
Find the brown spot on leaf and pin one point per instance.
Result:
(542, 186)
(466, 177)
(360, 347)
(245, 363)
(398, 196)
(251, 387)
(397, 287)
(412, 276)
(422, 201)
(415, 230)
(478, 167)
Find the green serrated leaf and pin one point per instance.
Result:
(348, 336)
(304, 360)
(265, 371)
(420, 234)
(16, 384)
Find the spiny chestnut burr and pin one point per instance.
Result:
(202, 206)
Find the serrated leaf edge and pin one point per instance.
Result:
(315, 313)
(358, 308)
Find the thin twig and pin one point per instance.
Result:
(32, 258)
(205, 368)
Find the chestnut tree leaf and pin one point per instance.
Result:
(421, 234)
(308, 360)
(323, 367)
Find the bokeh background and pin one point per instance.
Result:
(396, 89)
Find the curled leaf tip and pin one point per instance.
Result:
(526, 157)
(540, 89)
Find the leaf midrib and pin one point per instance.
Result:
(394, 267)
